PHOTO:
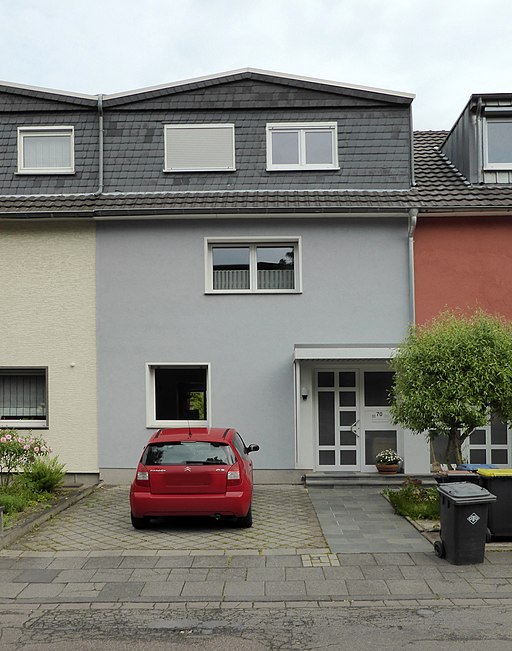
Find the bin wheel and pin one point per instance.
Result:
(488, 535)
(439, 549)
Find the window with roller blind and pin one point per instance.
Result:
(46, 150)
(23, 397)
(199, 148)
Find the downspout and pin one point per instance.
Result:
(100, 145)
(413, 220)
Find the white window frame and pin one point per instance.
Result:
(151, 420)
(487, 164)
(302, 128)
(171, 127)
(24, 132)
(252, 243)
(21, 423)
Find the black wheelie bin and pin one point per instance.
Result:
(464, 512)
(498, 482)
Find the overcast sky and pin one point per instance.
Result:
(441, 50)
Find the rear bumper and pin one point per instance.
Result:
(145, 504)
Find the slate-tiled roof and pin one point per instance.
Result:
(439, 187)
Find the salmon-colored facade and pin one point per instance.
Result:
(463, 263)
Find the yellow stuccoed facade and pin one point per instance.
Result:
(48, 319)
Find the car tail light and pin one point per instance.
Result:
(234, 475)
(142, 478)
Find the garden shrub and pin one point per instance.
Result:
(414, 500)
(16, 451)
(44, 476)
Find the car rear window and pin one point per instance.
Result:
(184, 453)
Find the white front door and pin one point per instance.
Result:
(353, 418)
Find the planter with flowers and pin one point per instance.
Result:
(388, 462)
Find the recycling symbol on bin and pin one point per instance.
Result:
(473, 518)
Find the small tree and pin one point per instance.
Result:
(452, 375)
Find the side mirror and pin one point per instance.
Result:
(252, 448)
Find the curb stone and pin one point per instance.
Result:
(17, 531)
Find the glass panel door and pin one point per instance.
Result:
(338, 420)
(379, 431)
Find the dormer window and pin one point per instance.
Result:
(498, 144)
(199, 147)
(46, 150)
(302, 146)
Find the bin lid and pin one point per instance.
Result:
(465, 492)
(475, 466)
(499, 472)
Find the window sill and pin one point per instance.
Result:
(302, 168)
(248, 292)
(46, 172)
(23, 424)
(171, 424)
(194, 170)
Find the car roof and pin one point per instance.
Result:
(215, 434)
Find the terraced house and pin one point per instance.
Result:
(233, 250)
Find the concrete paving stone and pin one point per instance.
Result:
(210, 561)
(10, 590)
(450, 587)
(288, 590)
(150, 574)
(356, 559)
(393, 559)
(189, 574)
(117, 575)
(266, 574)
(326, 588)
(74, 576)
(227, 574)
(133, 562)
(403, 587)
(303, 573)
(162, 589)
(287, 560)
(420, 572)
(7, 576)
(30, 563)
(367, 587)
(496, 571)
(67, 563)
(499, 558)
(254, 589)
(174, 561)
(382, 572)
(102, 562)
(492, 585)
(121, 591)
(36, 576)
(248, 561)
(41, 590)
(91, 590)
(342, 573)
(204, 589)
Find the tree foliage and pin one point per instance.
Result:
(452, 375)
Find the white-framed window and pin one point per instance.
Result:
(491, 444)
(302, 146)
(24, 397)
(199, 147)
(46, 150)
(177, 395)
(498, 143)
(245, 266)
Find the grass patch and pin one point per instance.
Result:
(414, 500)
(20, 496)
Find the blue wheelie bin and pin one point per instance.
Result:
(464, 513)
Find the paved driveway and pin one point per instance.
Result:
(284, 519)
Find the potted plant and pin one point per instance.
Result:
(388, 461)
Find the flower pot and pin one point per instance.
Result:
(388, 468)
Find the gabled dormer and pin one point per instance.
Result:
(480, 143)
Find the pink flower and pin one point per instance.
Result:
(26, 447)
(3, 440)
(8, 437)
(36, 449)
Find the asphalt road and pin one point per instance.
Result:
(300, 628)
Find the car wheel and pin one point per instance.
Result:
(245, 521)
(139, 523)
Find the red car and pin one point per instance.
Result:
(193, 471)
